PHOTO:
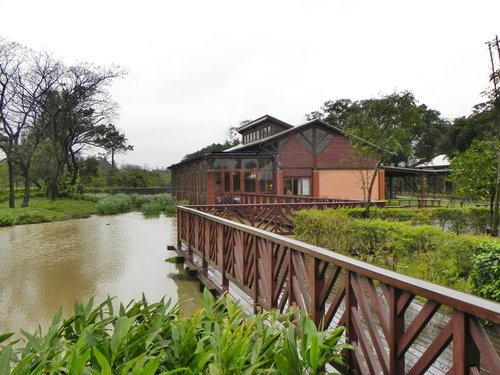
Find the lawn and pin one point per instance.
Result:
(43, 210)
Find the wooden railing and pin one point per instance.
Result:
(415, 203)
(385, 313)
(249, 198)
(273, 217)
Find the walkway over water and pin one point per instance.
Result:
(396, 324)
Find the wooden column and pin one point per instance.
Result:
(315, 184)
(211, 187)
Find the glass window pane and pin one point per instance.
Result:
(265, 181)
(266, 164)
(306, 186)
(227, 182)
(236, 182)
(218, 182)
(249, 182)
(248, 164)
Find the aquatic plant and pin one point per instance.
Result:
(144, 338)
(114, 204)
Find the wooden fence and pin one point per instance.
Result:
(249, 198)
(273, 217)
(372, 303)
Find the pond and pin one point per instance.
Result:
(51, 265)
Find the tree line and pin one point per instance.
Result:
(50, 113)
(408, 134)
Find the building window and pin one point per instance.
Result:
(227, 182)
(297, 186)
(249, 182)
(218, 182)
(236, 182)
(265, 181)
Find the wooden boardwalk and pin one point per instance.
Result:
(397, 324)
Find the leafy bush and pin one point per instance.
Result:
(86, 197)
(6, 220)
(145, 338)
(114, 204)
(486, 271)
(153, 208)
(30, 217)
(152, 205)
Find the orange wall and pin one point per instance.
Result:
(344, 184)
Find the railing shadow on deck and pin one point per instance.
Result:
(396, 324)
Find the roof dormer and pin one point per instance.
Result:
(263, 127)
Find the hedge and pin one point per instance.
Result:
(473, 220)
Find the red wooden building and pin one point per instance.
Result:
(314, 159)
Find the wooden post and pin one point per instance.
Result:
(316, 284)
(350, 304)
(465, 352)
(396, 330)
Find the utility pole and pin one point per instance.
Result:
(494, 46)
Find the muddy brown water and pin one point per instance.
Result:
(47, 266)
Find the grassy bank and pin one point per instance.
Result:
(43, 210)
(145, 338)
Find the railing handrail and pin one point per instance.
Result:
(470, 304)
(293, 204)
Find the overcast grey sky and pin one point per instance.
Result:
(198, 67)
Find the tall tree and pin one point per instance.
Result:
(381, 130)
(25, 78)
(10, 66)
(464, 130)
(76, 116)
(494, 93)
(112, 141)
(422, 139)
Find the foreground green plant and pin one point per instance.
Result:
(143, 338)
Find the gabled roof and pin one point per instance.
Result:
(260, 120)
(298, 128)
(438, 161)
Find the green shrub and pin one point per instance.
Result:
(486, 271)
(114, 204)
(30, 217)
(153, 208)
(376, 241)
(479, 219)
(86, 197)
(6, 220)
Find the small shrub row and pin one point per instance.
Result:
(421, 251)
(457, 220)
(87, 197)
(145, 338)
(20, 218)
(114, 204)
(150, 205)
